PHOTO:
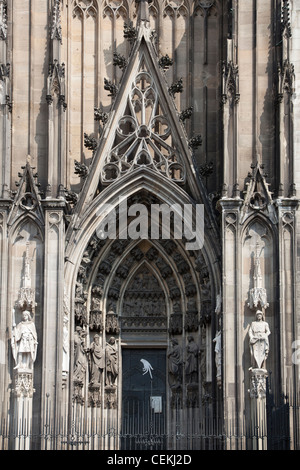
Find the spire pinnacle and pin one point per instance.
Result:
(143, 13)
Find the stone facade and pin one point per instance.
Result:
(109, 108)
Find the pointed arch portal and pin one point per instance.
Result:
(149, 299)
(142, 293)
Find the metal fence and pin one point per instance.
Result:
(112, 440)
(279, 434)
(203, 430)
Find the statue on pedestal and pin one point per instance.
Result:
(80, 358)
(24, 343)
(191, 369)
(259, 340)
(111, 362)
(218, 356)
(97, 356)
(175, 364)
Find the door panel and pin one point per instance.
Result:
(143, 399)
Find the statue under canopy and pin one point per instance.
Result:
(24, 343)
(259, 340)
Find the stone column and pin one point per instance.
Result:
(258, 430)
(232, 354)
(230, 100)
(5, 104)
(23, 393)
(287, 284)
(4, 258)
(56, 108)
(285, 114)
(53, 315)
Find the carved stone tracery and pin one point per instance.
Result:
(143, 135)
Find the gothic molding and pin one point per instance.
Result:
(87, 224)
(257, 197)
(27, 198)
(286, 30)
(129, 265)
(258, 385)
(56, 83)
(176, 8)
(84, 8)
(287, 208)
(230, 83)
(115, 9)
(286, 78)
(23, 385)
(142, 136)
(3, 20)
(4, 85)
(56, 31)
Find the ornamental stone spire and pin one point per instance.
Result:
(143, 13)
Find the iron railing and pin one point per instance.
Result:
(201, 429)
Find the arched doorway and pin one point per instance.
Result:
(144, 323)
(156, 300)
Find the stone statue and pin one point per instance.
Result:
(175, 364)
(111, 362)
(218, 355)
(191, 368)
(80, 358)
(97, 356)
(65, 360)
(218, 308)
(24, 343)
(259, 340)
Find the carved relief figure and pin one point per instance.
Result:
(97, 364)
(191, 368)
(24, 342)
(175, 364)
(65, 361)
(111, 362)
(80, 359)
(218, 355)
(259, 340)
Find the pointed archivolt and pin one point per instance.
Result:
(143, 136)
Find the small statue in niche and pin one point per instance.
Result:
(218, 356)
(112, 323)
(191, 368)
(24, 343)
(259, 332)
(97, 360)
(95, 304)
(65, 361)
(175, 364)
(111, 362)
(80, 358)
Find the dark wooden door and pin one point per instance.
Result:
(143, 399)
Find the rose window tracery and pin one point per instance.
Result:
(143, 136)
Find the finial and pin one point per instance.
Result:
(143, 14)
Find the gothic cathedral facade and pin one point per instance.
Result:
(149, 224)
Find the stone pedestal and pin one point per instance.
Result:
(23, 393)
(258, 387)
(94, 399)
(192, 395)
